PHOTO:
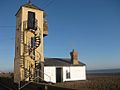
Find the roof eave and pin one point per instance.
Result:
(28, 7)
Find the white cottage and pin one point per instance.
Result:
(64, 69)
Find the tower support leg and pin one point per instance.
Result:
(42, 70)
(39, 72)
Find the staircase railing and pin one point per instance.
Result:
(30, 50)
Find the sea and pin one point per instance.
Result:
(104, 71)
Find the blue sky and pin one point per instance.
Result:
(92, 27)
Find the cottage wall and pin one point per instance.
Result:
(50, 74)
(76, 73)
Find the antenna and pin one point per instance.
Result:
(30, 2)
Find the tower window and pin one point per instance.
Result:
(31, 20)
(32, 47)
(17, 49)
(32, 42)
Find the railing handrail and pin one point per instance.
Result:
(28, 82)
(46, 75)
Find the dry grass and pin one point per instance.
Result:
(95, 82)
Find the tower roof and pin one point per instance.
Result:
(30, 5)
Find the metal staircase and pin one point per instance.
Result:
(31, 51)
(30, 48)
(36, 42)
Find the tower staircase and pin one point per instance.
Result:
(31, 51)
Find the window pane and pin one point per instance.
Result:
(31, 20)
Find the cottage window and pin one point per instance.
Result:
(67, 74)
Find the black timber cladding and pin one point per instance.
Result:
(60, 62)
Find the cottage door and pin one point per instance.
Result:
(59, 75)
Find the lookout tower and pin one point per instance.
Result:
(31, 28)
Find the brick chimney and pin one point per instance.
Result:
(74, 57)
